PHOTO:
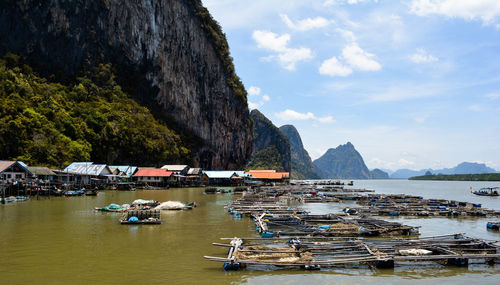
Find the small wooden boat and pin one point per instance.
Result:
(125, 186)
(73, 193)
(91, 193)
(111, 208)
(189, 206)
(493, 225)
(486, 191)
(210, 190)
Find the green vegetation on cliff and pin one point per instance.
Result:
(271, 149)
(218, 38)
(460, 177)
(53, 124)
(267, 158)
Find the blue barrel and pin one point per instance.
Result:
(267, 234)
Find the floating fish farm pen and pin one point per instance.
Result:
(141, 217)
(313, 253)
(272, 225)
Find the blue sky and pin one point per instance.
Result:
(412, 84)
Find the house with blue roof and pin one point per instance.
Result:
(223, 177)
(88, 172)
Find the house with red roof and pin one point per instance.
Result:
(153, 176)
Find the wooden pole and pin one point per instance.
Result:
(3, 195)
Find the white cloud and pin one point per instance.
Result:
(422, 56)
(488, 11)
(353, 57)
(271, 41)
(359, 59)
(346, 34)
(305, 24)
(253, 90)
(287, 57)
(291, 115)
(333, 67)
(291, 56)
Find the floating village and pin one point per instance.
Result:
(287, 234)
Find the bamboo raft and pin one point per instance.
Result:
(406, 205)
(272, 225)
(313, 253)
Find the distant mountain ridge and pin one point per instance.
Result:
(345, 162)
(302, 166)
(462, 168)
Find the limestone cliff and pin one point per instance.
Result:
(271, 149)
(170, 56)
(302, 166)
(343, 162)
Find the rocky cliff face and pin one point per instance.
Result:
(302, 166)
(271, 149)
(343, 162)
(169, 55)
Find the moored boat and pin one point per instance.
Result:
(493, 225)
(91, 192)
(486, 191)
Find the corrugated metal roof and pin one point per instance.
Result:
(88, 168)
(268, 175)
(194, 171)
(127, 169)
(262, 171)
(153, 172)
(4, 165)
(174, 167)
(221, 174)
(40, 170)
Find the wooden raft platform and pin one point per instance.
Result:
(314, 253)
(330, 225)
(143, 217)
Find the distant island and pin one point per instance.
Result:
(460, 177)
(462, 168)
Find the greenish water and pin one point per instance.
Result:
(62, 240)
